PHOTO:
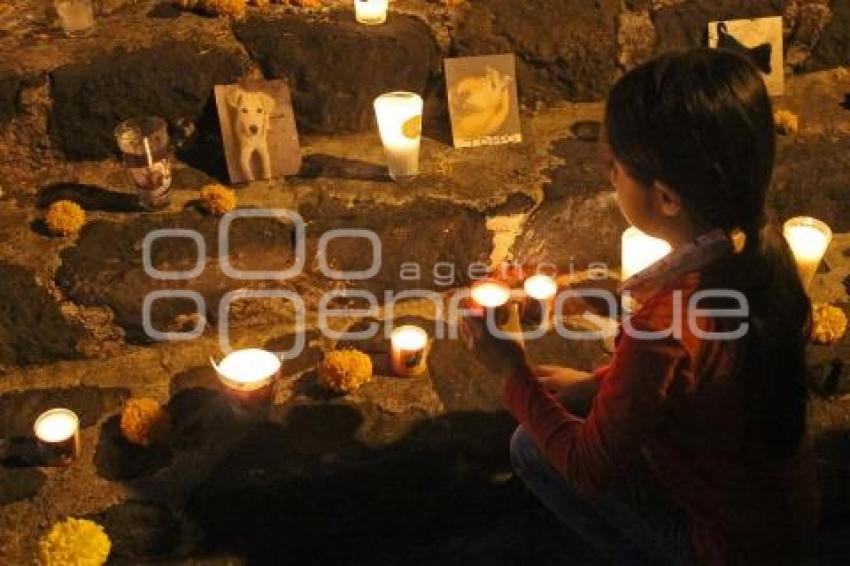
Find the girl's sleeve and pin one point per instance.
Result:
(630, 403)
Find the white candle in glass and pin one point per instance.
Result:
(409, 350)
(808, 238)
(540, 293)
(490, 294)
(399, 117)
(58, 432)
(249, 377)
(540, 287)
(371, 12)
(639, 251)
(247, 370)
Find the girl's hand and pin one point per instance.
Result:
(560, 379)
(503, 357)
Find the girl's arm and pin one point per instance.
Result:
(629, 404)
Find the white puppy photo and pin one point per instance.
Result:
(258, 130)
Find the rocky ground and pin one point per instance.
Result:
(403, 470)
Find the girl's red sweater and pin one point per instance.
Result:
(679, 403)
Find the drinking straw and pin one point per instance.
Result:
(148, 151)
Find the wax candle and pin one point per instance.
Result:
(489, 294)
(249, 376)
(409, 350)
(371, 12)
(399, 117)
(639, 251)
(58, 434)
(540, 291)
(808, 238)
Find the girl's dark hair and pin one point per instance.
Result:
(701, 122)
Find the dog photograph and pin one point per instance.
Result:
(258, 130)
(760, 40)
(483, 101)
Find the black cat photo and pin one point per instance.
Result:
(760, 40)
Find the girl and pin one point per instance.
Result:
(694, 448)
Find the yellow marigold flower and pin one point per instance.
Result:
(262, 4)
(217, 199)
(74, 542)
(786, 122)
(143, 420)
(828, 323)
(65, 218)
(234, 9)
(344, 371)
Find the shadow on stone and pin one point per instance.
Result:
(196, 413)
(312, 479)
(328, 166)
(117, 459)
(19, 484)
(165, 11)
(90, 197)
(32, 327)
(139, 531)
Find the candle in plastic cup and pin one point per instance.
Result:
(809, 239)
(409, 353)
(249, 377)
(371, 12)
(75, 16)
(58, 433)
(399, 117)
(144, 148)
(539, 303)
(639, 251)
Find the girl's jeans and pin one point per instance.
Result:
(633, 523)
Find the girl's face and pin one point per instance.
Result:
(634, 199)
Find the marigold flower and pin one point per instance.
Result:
(829, 323)
(218, 200)
(343, 371)
(76, 542)
(65, 218)
(143, 420)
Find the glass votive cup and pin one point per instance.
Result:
(399, 116)
(808, 239)
(58, 434)
(144, 152)
(409, 347)
(539, 302)
(371, 12)
(248, 377)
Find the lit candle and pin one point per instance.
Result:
(249, 377)
(58, 433)
(371, 12)
(540, 291)
(639, 251)
(399, 117)
(409, 350)
(489, 294)
(808, 238)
